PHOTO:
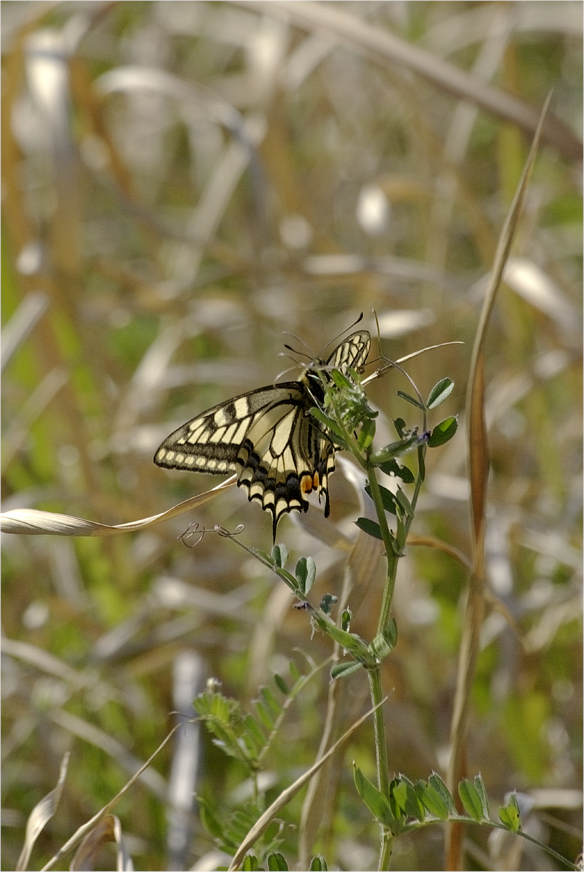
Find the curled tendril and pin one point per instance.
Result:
(196, 532)
(227, 533)
(190, 533)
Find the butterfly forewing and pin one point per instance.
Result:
(352, 353)
(211, 442)
(268, 437)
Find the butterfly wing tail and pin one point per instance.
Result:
(281, 484)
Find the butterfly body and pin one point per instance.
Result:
(268, 437)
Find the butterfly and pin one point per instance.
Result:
(268, 437)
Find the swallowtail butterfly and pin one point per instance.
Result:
(268, 437)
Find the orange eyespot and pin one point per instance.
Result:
(307, 484)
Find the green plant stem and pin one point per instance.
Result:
(394, 546)
(374, 676)
(390, 544)
(386, 850)
(390, 554)
(382, 761)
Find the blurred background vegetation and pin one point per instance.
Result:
(182, 182)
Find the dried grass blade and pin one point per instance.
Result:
(108, 829)
(86, 828)
(18, 328)
(475, 405)
(41, 815)
(56, 524)
(478, 469)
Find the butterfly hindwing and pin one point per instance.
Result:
(268, 437)
(284, 457)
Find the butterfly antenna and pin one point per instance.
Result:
(354, 324)
(294, 351)
(301, 341)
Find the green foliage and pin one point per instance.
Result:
(473, 797)
(409, 805)
(443, 432)
(376, 802)
(245, 736)
(392, 467)
(305, 573)
(510, 816)
(235, 826)
(343, 670)
(384, 643)
(370, 527)
(396, 449)
(437, 786)
(277, 862)
(439, 393)
(327, 603)
(409, 399)
(387, 497)
(434, 802)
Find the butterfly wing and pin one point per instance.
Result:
(212, 441)
(352, 352)
(268, 437)
(285, 456)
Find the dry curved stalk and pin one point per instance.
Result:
(478, 459)
(56, 524)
